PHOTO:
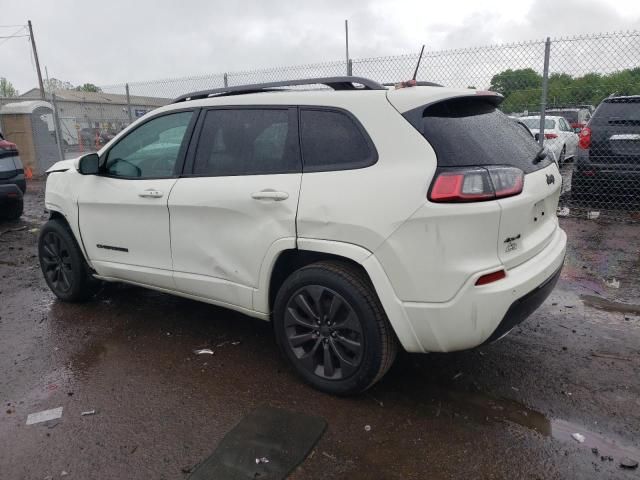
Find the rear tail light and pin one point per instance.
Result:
(491, 277)
(475, 184)
(550, 135)
(585, 138)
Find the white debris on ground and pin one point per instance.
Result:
(578, 437)
(44, 416)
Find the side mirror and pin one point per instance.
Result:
(577, 130)
(89, 164)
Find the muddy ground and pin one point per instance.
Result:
(502, 411)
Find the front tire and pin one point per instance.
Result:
(63, 265)
(332, 328)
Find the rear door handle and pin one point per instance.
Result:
(151, 193)
(270, 195)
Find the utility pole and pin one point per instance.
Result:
(35, 58)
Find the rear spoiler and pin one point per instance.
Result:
(414, 116)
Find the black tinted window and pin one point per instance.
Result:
(247, 142)
(332, 140)
(570, 115)
(465, 132)
(622, 112)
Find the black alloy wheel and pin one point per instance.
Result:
(56, 262)
(324, 332)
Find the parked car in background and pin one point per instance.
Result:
(607, 168)
(358, 221)
(577, 117)
(559, 137)
(12, 181)
(95, 137)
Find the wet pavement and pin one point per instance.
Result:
(507, 410)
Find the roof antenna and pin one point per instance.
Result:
(412, 82)
(415, 73)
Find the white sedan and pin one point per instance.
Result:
(559, 137)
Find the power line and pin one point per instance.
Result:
(14, 35)
(11, 26)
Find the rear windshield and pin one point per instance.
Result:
(619, 112)
(471, 131)
(534, 123)
(570, 115)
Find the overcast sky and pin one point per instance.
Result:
(117, 41)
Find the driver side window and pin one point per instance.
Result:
(151, 150)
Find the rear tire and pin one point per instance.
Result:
(563, 154)
(14, 212)
(330, 325)
(63, 265)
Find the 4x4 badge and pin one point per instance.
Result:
(551, 179)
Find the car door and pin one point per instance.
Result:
(123, 213)
(237, 198)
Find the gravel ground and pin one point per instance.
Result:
(506, 410)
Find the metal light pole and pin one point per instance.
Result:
(346, 40)
(545, 86)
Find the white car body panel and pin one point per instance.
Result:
(208, 239)
(113, 216)
(221, 234)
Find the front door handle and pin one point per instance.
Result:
(151, 193)
(270, 195)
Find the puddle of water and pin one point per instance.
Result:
(504, 410)
(609, 306)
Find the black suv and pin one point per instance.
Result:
(607, 169)
(12, 181)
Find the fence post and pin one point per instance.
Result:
(545, 85)
(126, 86)
(225, 78)
(350, 68)
(56, 126)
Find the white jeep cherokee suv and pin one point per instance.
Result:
(355, 218)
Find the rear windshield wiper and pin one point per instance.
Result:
(541, 155)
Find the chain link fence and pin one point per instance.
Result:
(576, 95)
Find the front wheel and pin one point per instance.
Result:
(330, 325)
(63, 265)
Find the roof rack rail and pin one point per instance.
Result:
(337, 83)
(418, 84)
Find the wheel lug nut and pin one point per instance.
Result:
(334, 334)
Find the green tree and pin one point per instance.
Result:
(509, 81)
(88, 87)
(7, 89)
(53, 84)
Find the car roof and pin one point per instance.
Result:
(403, 99)
(547, 117)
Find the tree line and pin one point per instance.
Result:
(50, 85)
(522, 88)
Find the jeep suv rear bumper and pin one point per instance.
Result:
(479, 314)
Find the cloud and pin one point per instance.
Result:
(143, 40)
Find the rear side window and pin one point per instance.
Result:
(473, 132)
(332, 140)
(247, 142)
